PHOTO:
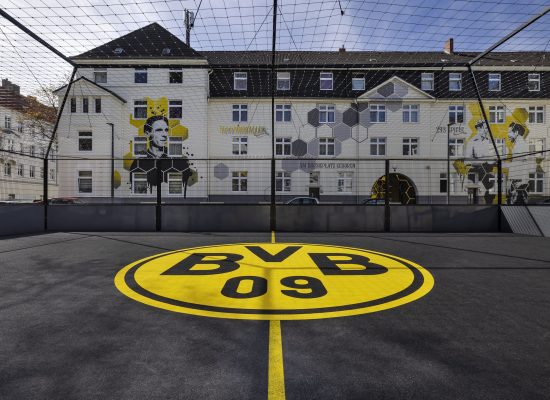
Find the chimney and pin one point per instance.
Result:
(15, 88)
(449, 47)
(5, 83)
(342, 49)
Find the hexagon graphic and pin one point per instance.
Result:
(324, 131)
(387, 89)
(290, 164)
(360, 106)
(299, 148)
(400, 91)
(313, 147)
(143, 165)
(341, 132)
(313, 117)
(394, 105)
(364, 119)
(221, 171)
(350, 117)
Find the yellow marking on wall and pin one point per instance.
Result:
(272, 236)
(276, 374)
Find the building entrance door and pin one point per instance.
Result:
(314, 192)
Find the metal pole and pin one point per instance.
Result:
(45, 193)
(449, 162)
(158, 165)
(499, 194)
(272, 214)
(187, 28)
(387, 217)
(112, 159)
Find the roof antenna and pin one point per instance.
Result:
(189, 24)
(341, 11)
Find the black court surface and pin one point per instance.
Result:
(481, 332)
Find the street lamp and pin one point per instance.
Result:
(449, 162)
(112, 159)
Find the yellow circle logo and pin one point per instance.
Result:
(274, 281)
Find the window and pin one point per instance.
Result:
(240, 145)
(282, 146)
(140, 109)
(239, 181)
(175, 146)
(139, 183)
(410, 113)
(20, 170)
(283, 182)
(377, 113)
(85, 105)
(501, 146)
(140, 75)
(175, 75)
(325, 80)
(175, 109)
(240, 80)
(536, 144)
(377, 146)
(345, 182)
(7, 169)
(536, 182)
(456, 114)
(32, 150)
(358, 83)
(32, 171)
(283, 80)
(41, 172)
(496, 114)
(456, 147)
(7, 122)
(494, 82)
(175, 183)
(21, 148)
(472, 177)
(283, 113)
(97, 106)
(536, 115)
(326, 146)
(42, 152)
(20, 127)
(84, 141)
(84, 181)
(140, 146)
(410, 146)
(427, 81)
(10, 145)
(455, 81)
(240, 112)
(443, 182)
(100, 75)
(533, 82)
(493, 189)
(73, 105)
(52, 174)
(326, 113)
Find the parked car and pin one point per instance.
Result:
(311, 201)
(379, 202)
(61, 200)
(545, 202)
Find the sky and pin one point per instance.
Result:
(377, 25)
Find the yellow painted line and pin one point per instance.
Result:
(276, 374)
(272, 236)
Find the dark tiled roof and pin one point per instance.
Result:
(147, 42)
(372, 59)
(28, 105)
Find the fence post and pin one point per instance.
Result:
(387, 216)
(158, 165)
(45, 192)
(499, 190)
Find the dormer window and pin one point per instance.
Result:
(533, 82)
(494, 82)
(325, 80)
(283, 80)
(175, 75)
(166, 51)
(240, 80)
(455, 81)
(358, 82)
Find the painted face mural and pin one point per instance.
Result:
(149, 149)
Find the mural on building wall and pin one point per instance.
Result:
(157, 128)
(482, 174)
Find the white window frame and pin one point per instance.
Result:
(7, 168)
(535, 79)
(536, 178)
(327, 113)
(455, 77)
(358, 83)
(425, 79)
(456, 111)
(20, 170)
(79, 178)
(494, 77)
(534, 113)
(142, 105)
(174, 106)
(239, 145)
(32, 171)
(325, 77)
(175, 178)
(345, 182)
(240, 110)
(239, 180)
(537, 144)
(497, 114)
(97, 101)
(327, 147)
(82, 135)
(283, 80)
(283, 146)
(7, 121)
(412, 145)
(283, 181)
(175, 141)
(409, 110)
(501, 146)
(379, 144)
(283, 113)
(142, 179)
(238, 79)
(52, 174)
(141, 72)
(456, 147)
(100, 72)
(142, 142)
(377, 113)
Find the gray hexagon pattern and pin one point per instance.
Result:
(350, 117)
(290, 165)
(400, 91)
(313, 117)
(338, 115)
(387, 89)
(394, 106)
(313, 147)
(341, 132)
(221, 171)
(299, 148)
(364, 119)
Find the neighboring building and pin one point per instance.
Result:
(25, 131)
(339, 115)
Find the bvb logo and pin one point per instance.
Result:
(274, 281)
